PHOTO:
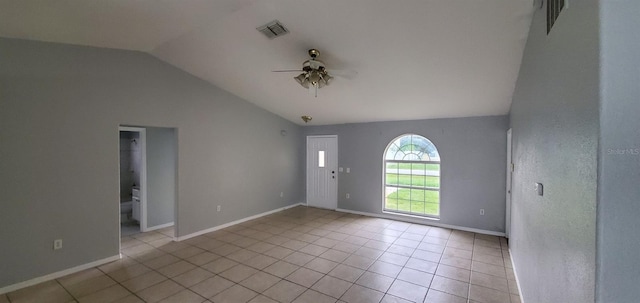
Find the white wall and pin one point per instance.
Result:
(554, 117)
(231, 152)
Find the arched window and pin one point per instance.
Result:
(412, 176)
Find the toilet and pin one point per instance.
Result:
(130, 210)
(125, 210)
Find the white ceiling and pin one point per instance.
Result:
(415, 59)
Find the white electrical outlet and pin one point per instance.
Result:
(482, 211)
(348, 170)
(57, 244)
(218, 208)
(348, 196)
(281, 194)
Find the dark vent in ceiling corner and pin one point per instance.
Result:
(273, 29)
(554, 7)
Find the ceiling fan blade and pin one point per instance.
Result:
(287, 71)
(343, 73)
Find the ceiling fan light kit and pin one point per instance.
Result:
(314, 74)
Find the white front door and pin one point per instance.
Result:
(322, 171)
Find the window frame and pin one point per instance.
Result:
(386, 184)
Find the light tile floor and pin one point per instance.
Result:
(297, 255)
(129, 228)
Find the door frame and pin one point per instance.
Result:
(507, 221)
(307, 167)
(143, 173)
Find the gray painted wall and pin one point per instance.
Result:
(618, 187)
(554, 116)
(231, 152)
(162, 155)
(473, 164)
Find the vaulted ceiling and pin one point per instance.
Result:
(415, 59)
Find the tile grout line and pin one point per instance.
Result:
(121, 285)
(65, 289)
(471, 268)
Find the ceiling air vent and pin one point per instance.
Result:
(273, 29)
(554, 7)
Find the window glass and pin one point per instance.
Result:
(321, 158)
(412, 176)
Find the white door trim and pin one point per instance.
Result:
(507, 221)
(335, 201)
(143, 173)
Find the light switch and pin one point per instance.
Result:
(340, 169)
(348, 170)
(539, 189)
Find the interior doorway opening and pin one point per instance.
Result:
(148, 181)
(132, 178)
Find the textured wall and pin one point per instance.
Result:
(619, 180)
(473, 164)
(230, 152)
(554, 116)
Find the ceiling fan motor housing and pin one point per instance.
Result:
(313, 64)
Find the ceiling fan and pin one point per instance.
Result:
(314, 73)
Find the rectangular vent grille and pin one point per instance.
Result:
(273, 29)
(554, 7)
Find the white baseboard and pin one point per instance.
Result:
(161, 226)
(515, 273)
(58, 274)
(423, 221)
(82, 267)
(208, 230)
